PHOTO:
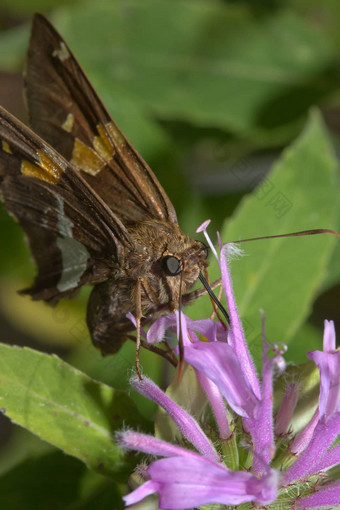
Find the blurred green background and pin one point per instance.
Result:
(211, 93)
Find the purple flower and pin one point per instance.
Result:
(184, 479)
(318, 453)
(187, 481)
(207, 469)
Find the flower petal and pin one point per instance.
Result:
(325, 497)
(149, 487)
(210, 329)
(302, 439)
(198, 481)
(287, 407)
(261, 424)
(218, 362)
(217, 405)
(324, 435)
(237, 339)
(157, 330)
(328, 362)
(151, 445)
(329, 340)
(330, 458)
(187, 425)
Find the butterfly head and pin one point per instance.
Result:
(180, 267)
(168, 264)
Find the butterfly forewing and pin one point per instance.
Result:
(74, 237)
(65, 111)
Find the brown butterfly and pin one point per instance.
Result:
(92, 209)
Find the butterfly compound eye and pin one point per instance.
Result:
(171, 265)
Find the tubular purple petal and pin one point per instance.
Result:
(329, 367)
(261, 427)
(158, 328)
(182, 329)
(236, 336)
(286, 409)
(218, 362)
(303, 438)
(210, 329)
(324, 435)
(149, 487)
(328, 363)
(330, 458)
(217, 405)
(186, 423)
(324, 497)
(198, 481)
(213, 331)
(151, 445)
(329, 340)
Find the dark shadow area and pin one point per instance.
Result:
(54, 481)
(327, 306)
(294, 101)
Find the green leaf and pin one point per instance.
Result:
(282, 276)
(65, 407)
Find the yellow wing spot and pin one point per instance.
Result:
(62, 53)
(6, 147)
(68, 124)
(102, 144)
(50, 166)
(85, 158)
(47, 170)
(115, 134)
(32, 170)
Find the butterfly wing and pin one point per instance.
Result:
(75, 238)
(66, 112)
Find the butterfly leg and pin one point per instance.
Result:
(138, 301)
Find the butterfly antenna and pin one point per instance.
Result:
(293, 234)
